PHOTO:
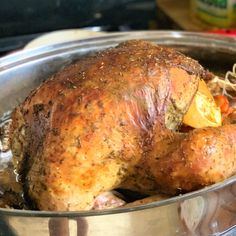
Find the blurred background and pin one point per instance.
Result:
(23, 21)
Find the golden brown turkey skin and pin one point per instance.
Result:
(197, 159)
(89, 128)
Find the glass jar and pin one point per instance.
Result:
(218, 13)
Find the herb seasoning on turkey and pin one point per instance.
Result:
(111, 121)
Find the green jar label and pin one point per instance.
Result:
(215, 3)
(219, 13)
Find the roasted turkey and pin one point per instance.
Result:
(110, 121)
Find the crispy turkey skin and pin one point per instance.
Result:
(102, 123)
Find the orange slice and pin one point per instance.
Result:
(203, 111)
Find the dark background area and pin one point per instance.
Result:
(21, 21)
(33, 16)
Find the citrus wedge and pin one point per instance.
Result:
(203, 111)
